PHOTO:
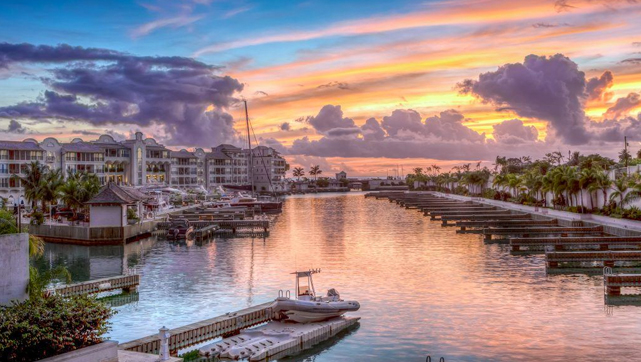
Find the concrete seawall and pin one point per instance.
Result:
(14, 267)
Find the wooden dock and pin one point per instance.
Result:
(482, 217)
(434, 214)
(534, 245)
(478, 226)
(127, 283)
(205, 330)
(607, 258)
(527, 231)
(233, 225)
(614, 282)
(205, 232)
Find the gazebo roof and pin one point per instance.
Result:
(114, 194)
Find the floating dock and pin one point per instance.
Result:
(539, 245)
(276, 340)
(205, 330)
(127, 283)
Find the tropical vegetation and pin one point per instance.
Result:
(576, 182)
(43, 187)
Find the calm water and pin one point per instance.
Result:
(423, 289)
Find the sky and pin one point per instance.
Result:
(369, 87)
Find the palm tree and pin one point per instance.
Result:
(315, 171)
(513, 182)
(619, 190)
(603, 183)
(588, 181)
(51, 186)
(298, 172)
(71, 194)
(572, 182)
(32, 181)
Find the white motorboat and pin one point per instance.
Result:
(307, 307)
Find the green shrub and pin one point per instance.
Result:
(51, 325)
(191, 356)
(131, 214)
(633, 213)
(37, 218)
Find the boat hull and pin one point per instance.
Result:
(313, 311)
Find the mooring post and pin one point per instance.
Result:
(164, 343)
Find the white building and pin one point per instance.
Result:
(141, 162)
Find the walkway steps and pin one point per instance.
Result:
(602, 242)
(205, 330)
(125, 282)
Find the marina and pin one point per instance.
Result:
(360, 258)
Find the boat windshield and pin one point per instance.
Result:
(304, 290)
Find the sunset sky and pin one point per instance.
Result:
(357, 85)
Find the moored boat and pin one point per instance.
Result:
(179, 229)
(307, 307)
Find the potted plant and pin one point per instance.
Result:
(132, 217)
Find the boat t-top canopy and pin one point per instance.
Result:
(305, 288)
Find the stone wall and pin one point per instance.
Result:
(14, 267)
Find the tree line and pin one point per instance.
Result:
(566, 179)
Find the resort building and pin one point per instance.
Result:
(142, 162)
(268, 169)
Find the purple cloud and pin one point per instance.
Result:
(597, 88)
(15, 127)
(171, 92)
(513, 131)
(551, 89)
(624, 105)
(330, 117)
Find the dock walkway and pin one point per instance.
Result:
(124, 282)
(205, 330)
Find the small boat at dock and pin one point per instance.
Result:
(307, 307)
(179, 229)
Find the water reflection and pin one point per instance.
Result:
(423, 288)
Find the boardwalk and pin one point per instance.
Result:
(205, 330)
(124, 282)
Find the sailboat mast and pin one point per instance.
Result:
(250, 167)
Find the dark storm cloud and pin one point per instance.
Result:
(551, 89)
(623, 105)
(597, 88)
(171, 92)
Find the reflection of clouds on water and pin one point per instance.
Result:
(423, 289)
